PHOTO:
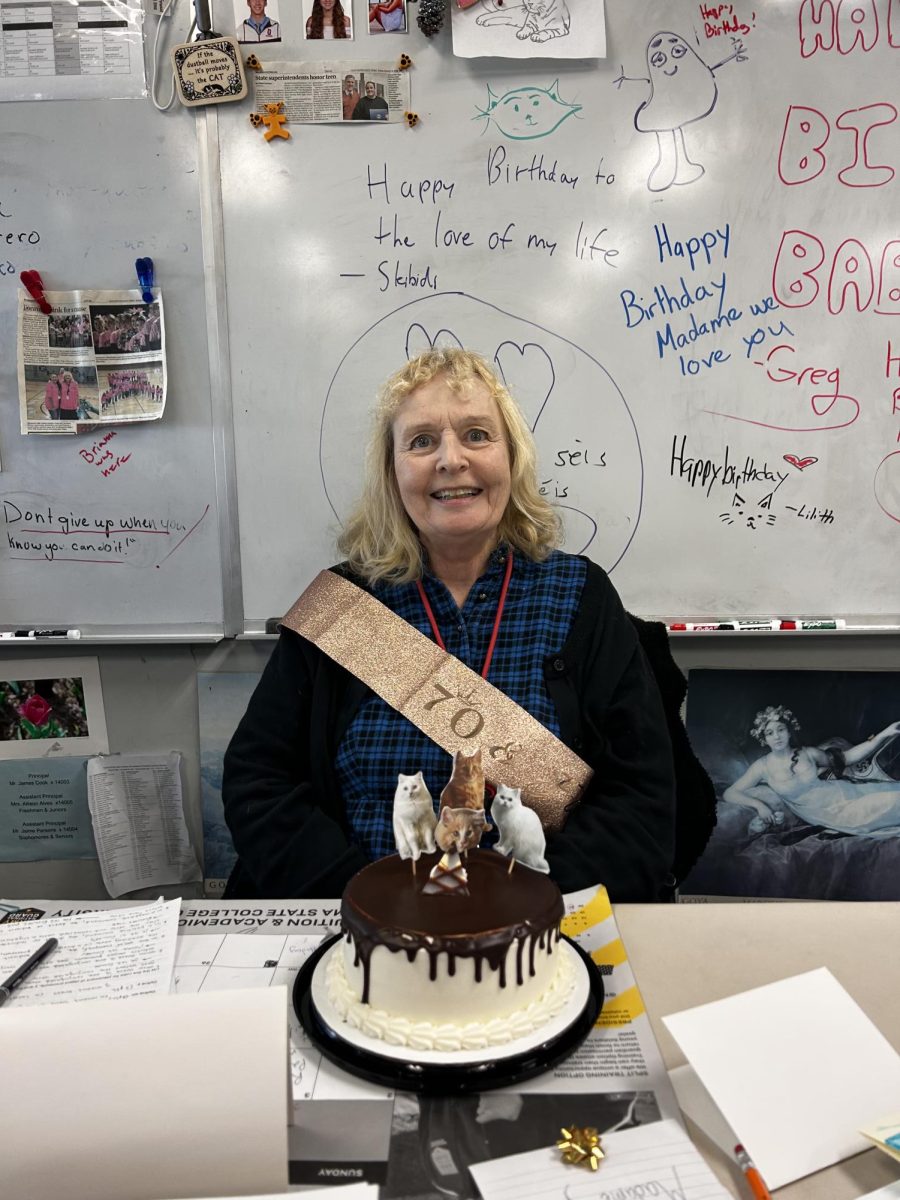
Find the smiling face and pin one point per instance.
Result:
(528, 112)
(257, 9)
(370, 90)
(451, 462)
(666, 52)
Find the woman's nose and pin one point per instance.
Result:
(451, 454)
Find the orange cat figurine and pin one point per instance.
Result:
(462, 820)
(465, 788)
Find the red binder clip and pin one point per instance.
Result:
(34, 286)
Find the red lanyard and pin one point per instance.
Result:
(497, 619)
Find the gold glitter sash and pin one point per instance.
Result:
(443, 697)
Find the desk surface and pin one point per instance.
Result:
(688, 954)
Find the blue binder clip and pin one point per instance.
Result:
(144, 268)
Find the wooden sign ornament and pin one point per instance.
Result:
(208, 70)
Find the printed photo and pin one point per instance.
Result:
(370, 104)
(55, 393)
(434, 1140)
(256, 21)
(806, 766)
(130, 392)
(58, 712)
(326, 20)
(388, 17)
(126, 328)
(68, 331)
(42, 708)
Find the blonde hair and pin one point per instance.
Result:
(378, 540)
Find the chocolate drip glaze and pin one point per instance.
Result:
(384, 906)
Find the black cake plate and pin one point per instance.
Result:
(501, 1066)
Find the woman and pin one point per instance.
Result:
(327, 20)
(68, 397)
(51, 395)
(793, 773)
(453, 537)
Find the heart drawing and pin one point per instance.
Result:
(800, 463)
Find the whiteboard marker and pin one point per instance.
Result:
(71, 634)
(801, 624)
(689, 627)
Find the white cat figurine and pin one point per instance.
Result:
(521, 833)
(414, 818)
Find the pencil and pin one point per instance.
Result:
(754, 1179)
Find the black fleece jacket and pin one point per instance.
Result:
(287, 819)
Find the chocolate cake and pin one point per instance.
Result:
(477, 967)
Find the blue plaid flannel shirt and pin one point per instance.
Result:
(380, 743)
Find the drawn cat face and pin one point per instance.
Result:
(527, 112)
(752, 514)
(410, 787)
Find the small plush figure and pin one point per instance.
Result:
(274, 119)
(413, 817)
(521, 833)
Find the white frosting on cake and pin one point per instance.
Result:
(404, 986)
(452, 1012)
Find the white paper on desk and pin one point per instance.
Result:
(117, 954)
(650, 1160)
(696, 1102)
(796, 1067)
(139, 827)
(165, 1096)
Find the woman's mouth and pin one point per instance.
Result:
(461, 493)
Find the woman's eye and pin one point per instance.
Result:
(478, 435)
(420, 442)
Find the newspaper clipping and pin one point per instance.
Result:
(314, 93)
(97, 359)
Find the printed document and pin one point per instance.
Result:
(112, 955)
(139, 826)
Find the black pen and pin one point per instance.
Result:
(9, 985)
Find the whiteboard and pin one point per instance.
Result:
(719, 430)
(92, 186)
